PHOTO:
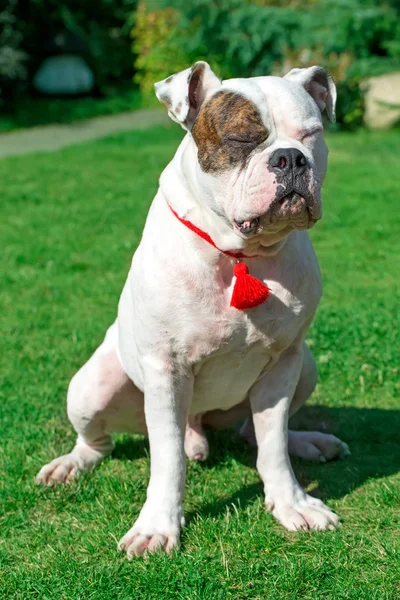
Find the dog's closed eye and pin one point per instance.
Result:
(236, 140)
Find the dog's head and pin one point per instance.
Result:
(260, 149)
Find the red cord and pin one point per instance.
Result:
(248, 291)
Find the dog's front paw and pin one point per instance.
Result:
(156, 530)
(298, 510)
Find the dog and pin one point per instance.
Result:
(222, 290)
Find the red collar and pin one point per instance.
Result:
(208, 239)
(248, 291)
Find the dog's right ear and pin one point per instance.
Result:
(184, 93)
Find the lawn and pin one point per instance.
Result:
(70, 223)
(31, 112)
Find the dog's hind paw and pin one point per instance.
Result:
(61, 470)
(296, 510)
(84, 457)
(316, 446)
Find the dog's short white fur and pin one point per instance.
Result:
(178, 354)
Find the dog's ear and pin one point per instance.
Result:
(184, 93)
(319, 84)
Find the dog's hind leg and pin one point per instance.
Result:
(101, 399)
(196, 444)
(309, 445)
(312, 445)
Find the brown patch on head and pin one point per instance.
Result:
(178, 108)
(228, 128)
(169, 79)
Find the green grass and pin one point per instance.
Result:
(70, 223)
(30, 112)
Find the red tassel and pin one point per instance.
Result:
(248, 291)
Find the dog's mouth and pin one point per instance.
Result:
(296, 209)
(291, 204)
(247, 227)
(300, 208)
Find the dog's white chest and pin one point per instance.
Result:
(248, 345)
(225, 379)
(185, 317)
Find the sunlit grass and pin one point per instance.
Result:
(70, 223)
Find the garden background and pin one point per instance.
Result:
(71, 219)
(125, 40)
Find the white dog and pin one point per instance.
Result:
(199, 339)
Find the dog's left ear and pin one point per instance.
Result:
(184, 93)
(319, 84)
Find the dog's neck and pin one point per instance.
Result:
(178, 192)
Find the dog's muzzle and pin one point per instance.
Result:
(249, 226)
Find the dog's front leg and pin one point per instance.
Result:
(168, 394)
(270, 402)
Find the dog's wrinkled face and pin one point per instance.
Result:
(261, 154)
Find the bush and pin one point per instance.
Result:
(352, 38)
(12, 58)
(103, 25)
(156, 41)
(27, 30)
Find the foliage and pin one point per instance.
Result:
(102, 25)
(353, 38)
(70, 223)
(12, 58)
(155, 41)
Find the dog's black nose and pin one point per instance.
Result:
(286, 160)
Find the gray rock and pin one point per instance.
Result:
(382, 101)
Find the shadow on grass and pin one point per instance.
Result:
(245, 495)
(131, 448)
(372, 434)
(374, 439)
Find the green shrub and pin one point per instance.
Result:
(352, 38)
(103, 25)
(12, 57)
(156, 42)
